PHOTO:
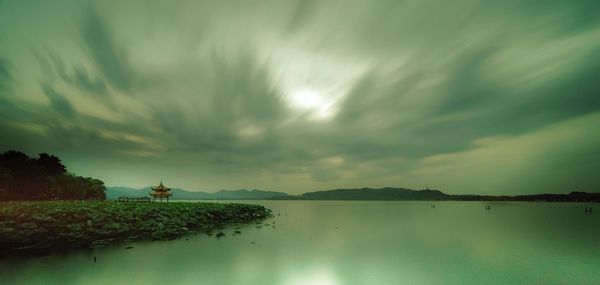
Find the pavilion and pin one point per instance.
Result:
(161, 191)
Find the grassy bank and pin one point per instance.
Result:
(38, 227)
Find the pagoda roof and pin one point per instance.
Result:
(161, 188)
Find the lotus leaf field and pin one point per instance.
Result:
(41, 227)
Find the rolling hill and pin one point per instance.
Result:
(112, 193)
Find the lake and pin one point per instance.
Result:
(353, 242)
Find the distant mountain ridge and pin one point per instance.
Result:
(365, 194)
(403, 194)
(387, 193)
(113, 193)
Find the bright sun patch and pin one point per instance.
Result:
(314, 103)
(307, 99)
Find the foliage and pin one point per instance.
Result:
(55, 225)
(43, 178)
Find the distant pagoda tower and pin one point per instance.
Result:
(161, 191)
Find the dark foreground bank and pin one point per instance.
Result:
(41, 227)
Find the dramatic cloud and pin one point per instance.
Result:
(5, 75)
(110, 60)
(58, 102)
(469, 97)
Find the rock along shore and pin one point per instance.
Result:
(42, 227)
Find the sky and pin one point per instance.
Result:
(480, 97)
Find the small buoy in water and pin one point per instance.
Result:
(488, 207)
(433, 206)
(94, 259)
(588, 209)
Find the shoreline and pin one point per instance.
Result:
(52, 226)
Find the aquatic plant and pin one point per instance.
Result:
(59, 225)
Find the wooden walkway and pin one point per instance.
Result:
(134, 199)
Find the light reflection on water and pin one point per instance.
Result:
(334, 243)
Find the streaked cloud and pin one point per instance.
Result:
(469, 96)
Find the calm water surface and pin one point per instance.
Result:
(331, 243)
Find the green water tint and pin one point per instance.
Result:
(331, 243)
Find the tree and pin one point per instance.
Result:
(51, 164)
(25, 178)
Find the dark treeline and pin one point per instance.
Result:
(43, 178)
(570, 197)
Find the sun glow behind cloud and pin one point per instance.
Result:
(316, 104)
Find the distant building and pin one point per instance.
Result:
(161, 191)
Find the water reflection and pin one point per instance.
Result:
(316, 276)
(353, 243)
